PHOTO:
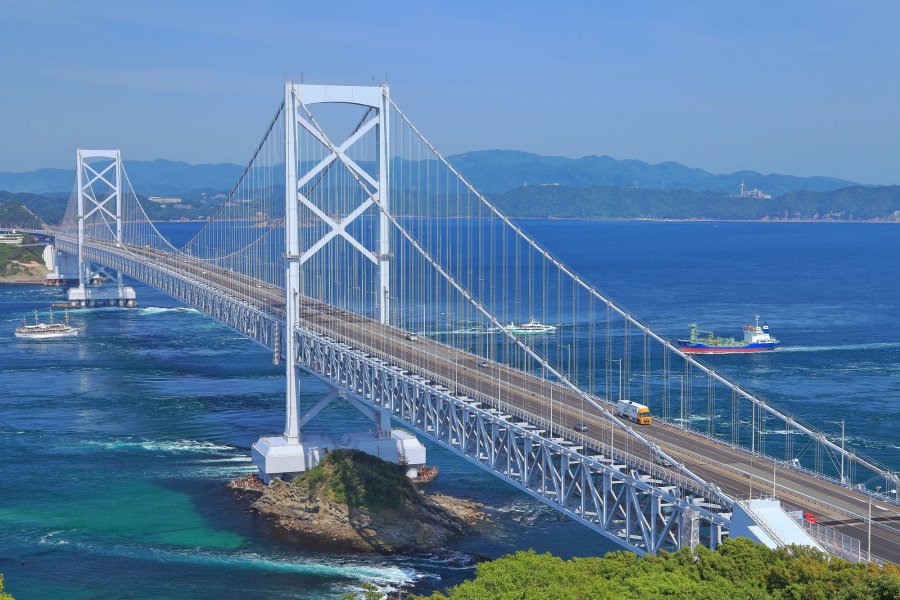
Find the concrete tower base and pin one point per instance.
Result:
(102, 296)
(276, 458)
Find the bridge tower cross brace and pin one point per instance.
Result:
(89, 202)
(296, 99)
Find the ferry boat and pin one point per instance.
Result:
(756, 339)
(43, 331)
(531, 327)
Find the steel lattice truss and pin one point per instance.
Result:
(632, 506)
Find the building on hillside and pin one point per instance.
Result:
(754, 193)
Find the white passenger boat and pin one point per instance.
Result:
(44, 331)
(531, 327)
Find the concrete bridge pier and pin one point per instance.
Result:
(281, 458)
(88, 282)
(62, 268)
(90, 296)
(101, 287)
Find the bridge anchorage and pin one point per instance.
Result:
(373, 265)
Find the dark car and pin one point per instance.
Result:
(580, 427)
(663, 461)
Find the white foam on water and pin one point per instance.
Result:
(447, 559)
(52, 538)
(466, 331)
(525, 512)
(872, 346)
(169, 446)
(228, 472)
(870, 443)
(243, 560)
(156, 310)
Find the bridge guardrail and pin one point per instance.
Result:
(830, 540)
(836, 543)
(811, 499)
(785, 463)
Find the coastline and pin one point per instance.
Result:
(630, 220)
(29, 277)
(702, 220)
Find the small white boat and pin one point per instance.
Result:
(45, 331)
(530, 328)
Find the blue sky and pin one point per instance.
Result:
(792, 87)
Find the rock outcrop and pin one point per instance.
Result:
(356, 501)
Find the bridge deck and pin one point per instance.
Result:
(736, 471)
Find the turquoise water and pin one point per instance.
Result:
(116, 445)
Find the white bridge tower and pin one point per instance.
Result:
(98, 183)
(287, 454)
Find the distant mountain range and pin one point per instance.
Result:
(149, 177)
(498, 171)
(854, 203)
(524, 185)
(490, 171)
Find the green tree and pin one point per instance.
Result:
(739, 569)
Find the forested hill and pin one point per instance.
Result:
(498, 171)
(47, 208)
(595, 187)
(16, 215)
(152, 177)
(490, 171)
(855, 203)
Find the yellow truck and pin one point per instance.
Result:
(633, 411)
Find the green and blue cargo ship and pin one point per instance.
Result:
(756, 339)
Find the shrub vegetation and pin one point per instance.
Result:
(738, 570)
(359, 480)
(4, 595)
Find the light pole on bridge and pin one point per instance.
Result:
(681, 419)
(612, 426)
(568, 349)
(869, 535)
(842, 423)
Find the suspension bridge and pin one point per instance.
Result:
(352, 250)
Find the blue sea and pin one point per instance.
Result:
(116, 446)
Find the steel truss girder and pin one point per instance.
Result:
(624, 504)
(642, 514)
(230, 311)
